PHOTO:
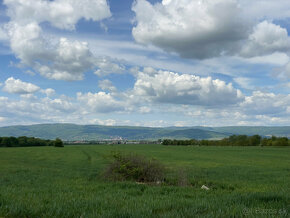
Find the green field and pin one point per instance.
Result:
(68, 182)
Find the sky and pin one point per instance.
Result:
(145, 62)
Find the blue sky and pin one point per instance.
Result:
(145, 63)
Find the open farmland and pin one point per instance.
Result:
(68, 182)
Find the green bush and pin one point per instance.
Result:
(58, 143)
(135, 167)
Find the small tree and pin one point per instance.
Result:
(58, 143)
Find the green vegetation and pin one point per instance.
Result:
(133, 167)
(234, 140)
(24, 141)
(58, 143)
(71, 132)
(69, 182)
(280, 131)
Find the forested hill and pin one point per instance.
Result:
(281, 131)
(97, 132)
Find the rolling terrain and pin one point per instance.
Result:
(72, 132)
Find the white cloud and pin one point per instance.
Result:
(108, 122)
(100, 102)
(145, 110)
(107, 85)
(17, 86)
(169, 87)
(277, 58)
(29, 96)
(32, 109)
(244, 82)
(266, 38)
(107, 66)
(48, 92)
(100, 108)
(61, 105)
(205, 29)
(260, 108)
(27, 43)
(70, 61)
(66, 59)
(261, 103)
(62, 14)
(193, 29)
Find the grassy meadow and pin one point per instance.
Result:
(68, 182)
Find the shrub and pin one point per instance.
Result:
(58, 143)
(135, 167)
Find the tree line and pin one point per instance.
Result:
(234, 140)
(24, 141)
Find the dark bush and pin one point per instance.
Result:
(135, 167)
(58, 143)
(24, 141)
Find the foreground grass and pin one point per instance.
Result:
(67, 182)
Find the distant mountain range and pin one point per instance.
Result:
(74, 132)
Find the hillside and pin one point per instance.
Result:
(280, 131)
(98, 132)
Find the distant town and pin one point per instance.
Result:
(112, 142)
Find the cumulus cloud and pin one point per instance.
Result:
(262, 103)
(62, 14)
(266, 38)
(27, 42)
(71, 60)
(193, 29)
(37, 110)
(107, 66)
(18, 87)
(99, 102)
(169, 87)
(48, 92)
(84, 108)
(260, 108)
(65, 60)
(205, 29)
(107, 85)
(61, 105)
